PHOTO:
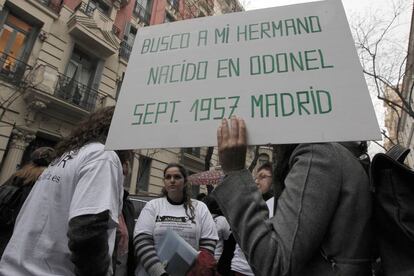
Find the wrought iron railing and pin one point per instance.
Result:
(125, 50)
(76, 93)
(12, 69)
(85, 8)
(142, 13)
(54, 5)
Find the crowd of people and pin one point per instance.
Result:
(308, 214)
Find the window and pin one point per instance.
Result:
(130, 34)
(129, 38)
(76, 85)
(16, 40)
(143, 9)
(100, 6)
(193, 151)
(144, 172)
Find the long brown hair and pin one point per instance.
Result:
(93, 129)
(188, 205)
(30, 173)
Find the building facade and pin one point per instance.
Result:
(62, 59)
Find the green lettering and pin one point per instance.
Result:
(252, 62)
(283, 97)
(309, 59)
(257, 103)
(252, 31)
(270, 103)
(328, 101)
(160, 111)
(147, 113)
(153, 76)
(301, 102)
(323, 61)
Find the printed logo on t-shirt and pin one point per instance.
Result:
(50, 177)
(171, 219)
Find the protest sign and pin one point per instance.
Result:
(291, 72)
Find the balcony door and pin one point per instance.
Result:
(78, 78)
(143, 9)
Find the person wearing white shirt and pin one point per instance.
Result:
(176, 211)
(67, 224)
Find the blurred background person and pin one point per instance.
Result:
(67, 225)
(15, 190)
(189, 218)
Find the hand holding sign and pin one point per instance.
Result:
(232, 144)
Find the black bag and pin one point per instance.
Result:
(11, 198)
(393, 183)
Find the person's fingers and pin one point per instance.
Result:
(234, 134)
(242, 132)
(224, 132)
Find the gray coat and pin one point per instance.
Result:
(322, 220)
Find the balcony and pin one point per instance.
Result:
(64, 98)
(76, 93)
(125, 50)
(85, 8)
(142, 13)
(54, 5)
(12, 70)
(93, 30)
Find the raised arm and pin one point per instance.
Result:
(283, 244)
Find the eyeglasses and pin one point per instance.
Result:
(175, 176)
(261, 177)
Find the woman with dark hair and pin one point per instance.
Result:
(17, 188)
(67, 225)
(189, 218)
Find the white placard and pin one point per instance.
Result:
(291, 72)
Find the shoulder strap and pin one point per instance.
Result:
(398, 153)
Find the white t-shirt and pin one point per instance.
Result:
(239, 262)
(223, 230)
(86, 182)
(159, 215)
